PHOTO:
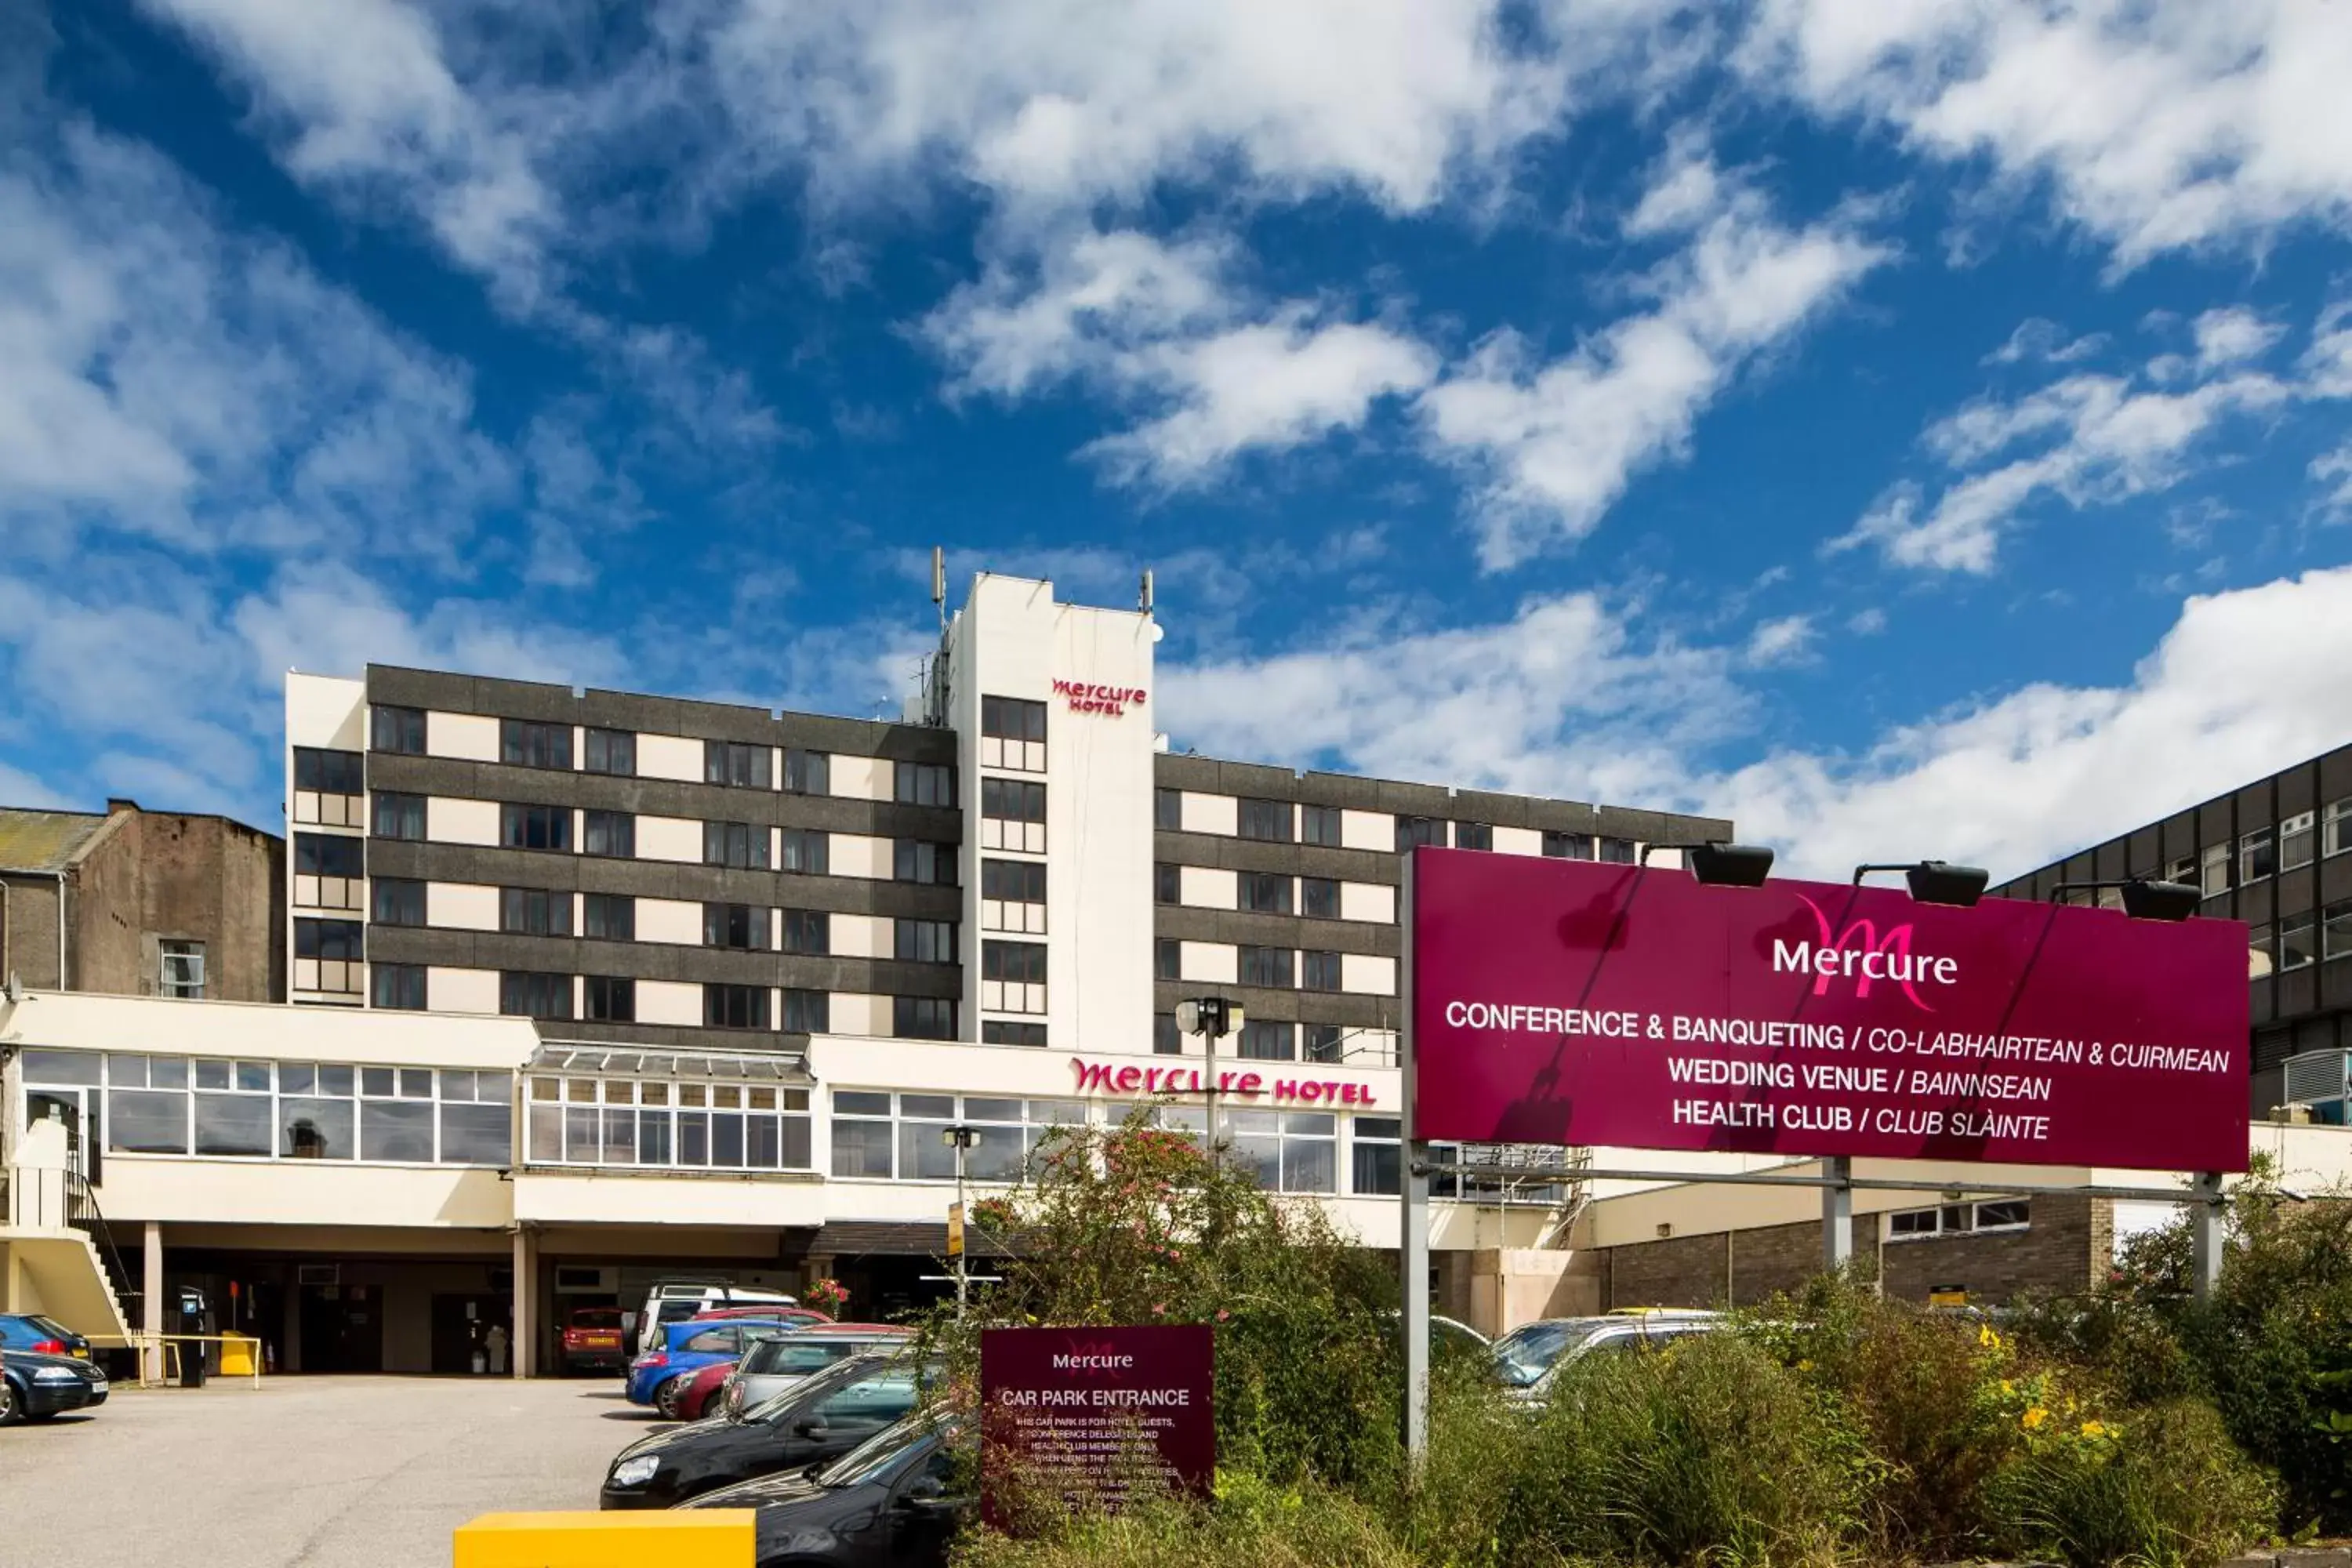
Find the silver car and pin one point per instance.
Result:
(774, 1365)
(1529, 1359)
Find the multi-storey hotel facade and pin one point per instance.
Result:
(589, 988)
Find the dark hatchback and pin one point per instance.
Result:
(892, 1503)
(35, 1386)
(820, 1419)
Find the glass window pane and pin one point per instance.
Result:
(1058, 1112)
(315, 1129)
(126, 1071)
(142, 1122)
(396, 1131)
(335, 1080)
(860, 1102)
(476, 1135)
(1309, 1165)
(940, 1105)
(694, 1138)
(922, 1155)
(1376, 1169)
(253, 1075)
(1261, 1157)
(376, 1081)
(997, 1157)
(763, 1143)
(1310, 1123)
(653, 1138)
(583, 1134)
(235, 1124)
(861, 1148)
(546, 1134)
(726, 1138)
(167, 1072)
(796, 1140)
(620, 1138)
(975, 1109)
(211, 1075)
(61, 1066)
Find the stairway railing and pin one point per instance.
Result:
(83, 1213)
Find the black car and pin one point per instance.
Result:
(820, 1419)
(892, 1503)
(34, 1387)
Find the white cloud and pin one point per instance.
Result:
(2157, 124)
(1554, 445)
(1788, 639)
(2327, 365)
(1566, 699)
(2039, 339)
(1867, 623)
(2231, 335)
(2334, 469)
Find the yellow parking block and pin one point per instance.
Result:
(698, 1538)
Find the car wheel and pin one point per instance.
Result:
(666, 1396)
(11, 1409)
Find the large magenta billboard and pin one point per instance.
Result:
(1569, 1002)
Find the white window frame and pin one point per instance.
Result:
(189, 984)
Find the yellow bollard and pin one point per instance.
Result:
(693, 1538)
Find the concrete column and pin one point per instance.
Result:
(2206, 1235)
(523, 1352)
(151, 1302)
(1837, 1214)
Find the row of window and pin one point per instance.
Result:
(1269, 1040)
(2299, 941)
(611, 916)
(1284, 822)
(1261, 892)
(612, 999)
(2295, 843)
(1277, 968)
(1960, 1219)
(682, 1125)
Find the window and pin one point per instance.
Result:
(744, 927)
(1319, 825)
(925, 942)
(924, 783)
(535, 827)
(1266, 819)
(1324, 1042)
(1012, 719)
(1617, 851)
(735, 1006)
(525, 744)
(1167, 1040)
(612, 751)
(1167, 959)
(923, 1018)
(1266, 967)
(400, 730)
(1012, 881)
(329, 855)
(1168, 810)
(1268, 1040)
(1319, 898)
(879, 1136)
(807, 850)
(1375, 1159)
(2006, 1214)
(534, 912)
(399, 815)
(808, 932)
(612, 998)
(917, 860)
(181, 969)
(740, 845)
(2298, 841)
(328, 773)
(863, 1137)
(2183, 871)
(808, 773)
(2336, 931)
(2298, 941)
(736, 765)
(2257, 856)
(1012, 815)
(807, 1012)
(612, 917)
(1567, 846)
(527, 994)
(621, 1119)
(1288, 1151)
(609, 833)
(335, 940)
(400, 986)
(1473, 836)
(1264, 892)
(2336, 827)
(1960, 1219)
(1006, 1032)
(2261, 952)
(398, 901)
(1319, 971)
(2214, 875)
(1413, 831)
(1167, 883)
(1019, 962)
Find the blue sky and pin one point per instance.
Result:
(1909, 429)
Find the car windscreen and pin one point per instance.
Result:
(1525, 1354)
(878, 1457)
(792, 1355)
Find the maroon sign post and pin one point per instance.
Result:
(1084, 1415)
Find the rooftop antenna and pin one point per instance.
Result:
(939, 583)
(1144, 604)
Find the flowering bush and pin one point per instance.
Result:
(827, 1296)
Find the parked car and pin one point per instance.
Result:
(674, 1300)
(42, 1336)
(896, 1501)
(595, 1339)
(658, 1377)
(698, 1397)
(774, 1365)
(807, 1316)
(36, 1385)
(825, 1418)
(1529, 1360)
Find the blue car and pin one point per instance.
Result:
(42, 1336)
(659, 1376)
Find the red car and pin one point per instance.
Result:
(695, 1399)
(767, 1314)
(593, 1341)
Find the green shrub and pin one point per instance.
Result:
(1251, 1524)
(2164, 1489)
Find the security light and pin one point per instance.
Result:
(959, 1136)
(1941, 882)
(1724, 864)
(2144, 901)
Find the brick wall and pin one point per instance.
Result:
(1743, 1267)
(32, 931)
(150, 876)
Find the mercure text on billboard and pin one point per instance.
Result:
(1578, 1002)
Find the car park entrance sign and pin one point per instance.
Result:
(1088, 1414)
(1576, 1003)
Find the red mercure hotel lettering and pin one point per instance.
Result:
(1142, 1082)
(1087, 697)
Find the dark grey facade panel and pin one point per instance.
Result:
(1282, 1006)
(1183, 922)
(660, 960)
(660, 879)
(1220, 852)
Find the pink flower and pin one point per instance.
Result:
(1222, 1314)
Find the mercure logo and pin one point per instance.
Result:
(1863, 954)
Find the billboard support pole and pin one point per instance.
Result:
(1413, 1187)
(1837, 1213)
(2205, 1237)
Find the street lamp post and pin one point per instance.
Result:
(959, 1138)
(1211, 1018)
